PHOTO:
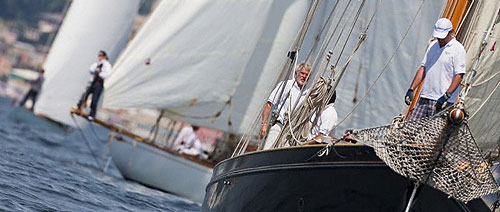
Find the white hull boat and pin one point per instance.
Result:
(160, 169)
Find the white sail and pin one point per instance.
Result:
(390, 25)
(483, 99)
(197, 59)
(89, 26)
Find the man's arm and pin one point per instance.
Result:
(419, 76)
(455, 83)
(265, 115)
(92, 68)
(106, 71)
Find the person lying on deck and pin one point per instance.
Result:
(100, 70)
(187, 142)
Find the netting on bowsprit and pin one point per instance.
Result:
(415, 150)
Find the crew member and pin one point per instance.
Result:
(325, 124)
(100, 70)
(443, 68)
(36, 86)
(187, 142)
(281, 106)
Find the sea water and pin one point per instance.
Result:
(45, 169)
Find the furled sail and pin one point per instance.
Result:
(483, 99)
(209, 63)
(89, 26)
(385, 64)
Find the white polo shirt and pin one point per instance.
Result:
(441, 66)
(326, 122)
(292, 89)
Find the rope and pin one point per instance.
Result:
(95, 133)
(486, 80)
(86, 141)
(291, 59)
(215, 115)
(325, 44)
(327, 22)
(384, 68)
(301, 116)
(486, 100)
(315, 101)
(351, 30)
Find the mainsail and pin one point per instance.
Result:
(89, 26)
(382, 69)
(209, 63)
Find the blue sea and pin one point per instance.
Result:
(45, 169)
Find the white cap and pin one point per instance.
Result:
(442, 27)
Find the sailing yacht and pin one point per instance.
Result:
(89, 26)
(205, 63)
(213, 63)
(434, 164)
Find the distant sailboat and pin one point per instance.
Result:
(89, 26)
(206, 63)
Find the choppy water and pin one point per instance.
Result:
(42, 169)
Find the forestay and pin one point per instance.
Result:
(209, 63)
(483, 99)
(89, 26)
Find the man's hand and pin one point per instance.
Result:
(263, 130)
(409, 96)
(440, 102)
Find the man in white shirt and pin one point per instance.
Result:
(292, 94)
(100, 70)
(187, 142)
(443, 68)
(325, 124)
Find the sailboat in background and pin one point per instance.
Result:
(213, 81)
(89, 26)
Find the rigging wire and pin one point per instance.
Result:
(86, 141)
(327, 22)
(286, 68)
(278, 141)
(385, 66)
(485, 101)
(324, 46)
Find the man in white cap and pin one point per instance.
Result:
(443, 68)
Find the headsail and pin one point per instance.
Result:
(209, 63)
(483, 99)
(89, 26)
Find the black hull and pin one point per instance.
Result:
(351, 178)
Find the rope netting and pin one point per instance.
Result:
(433, 151)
